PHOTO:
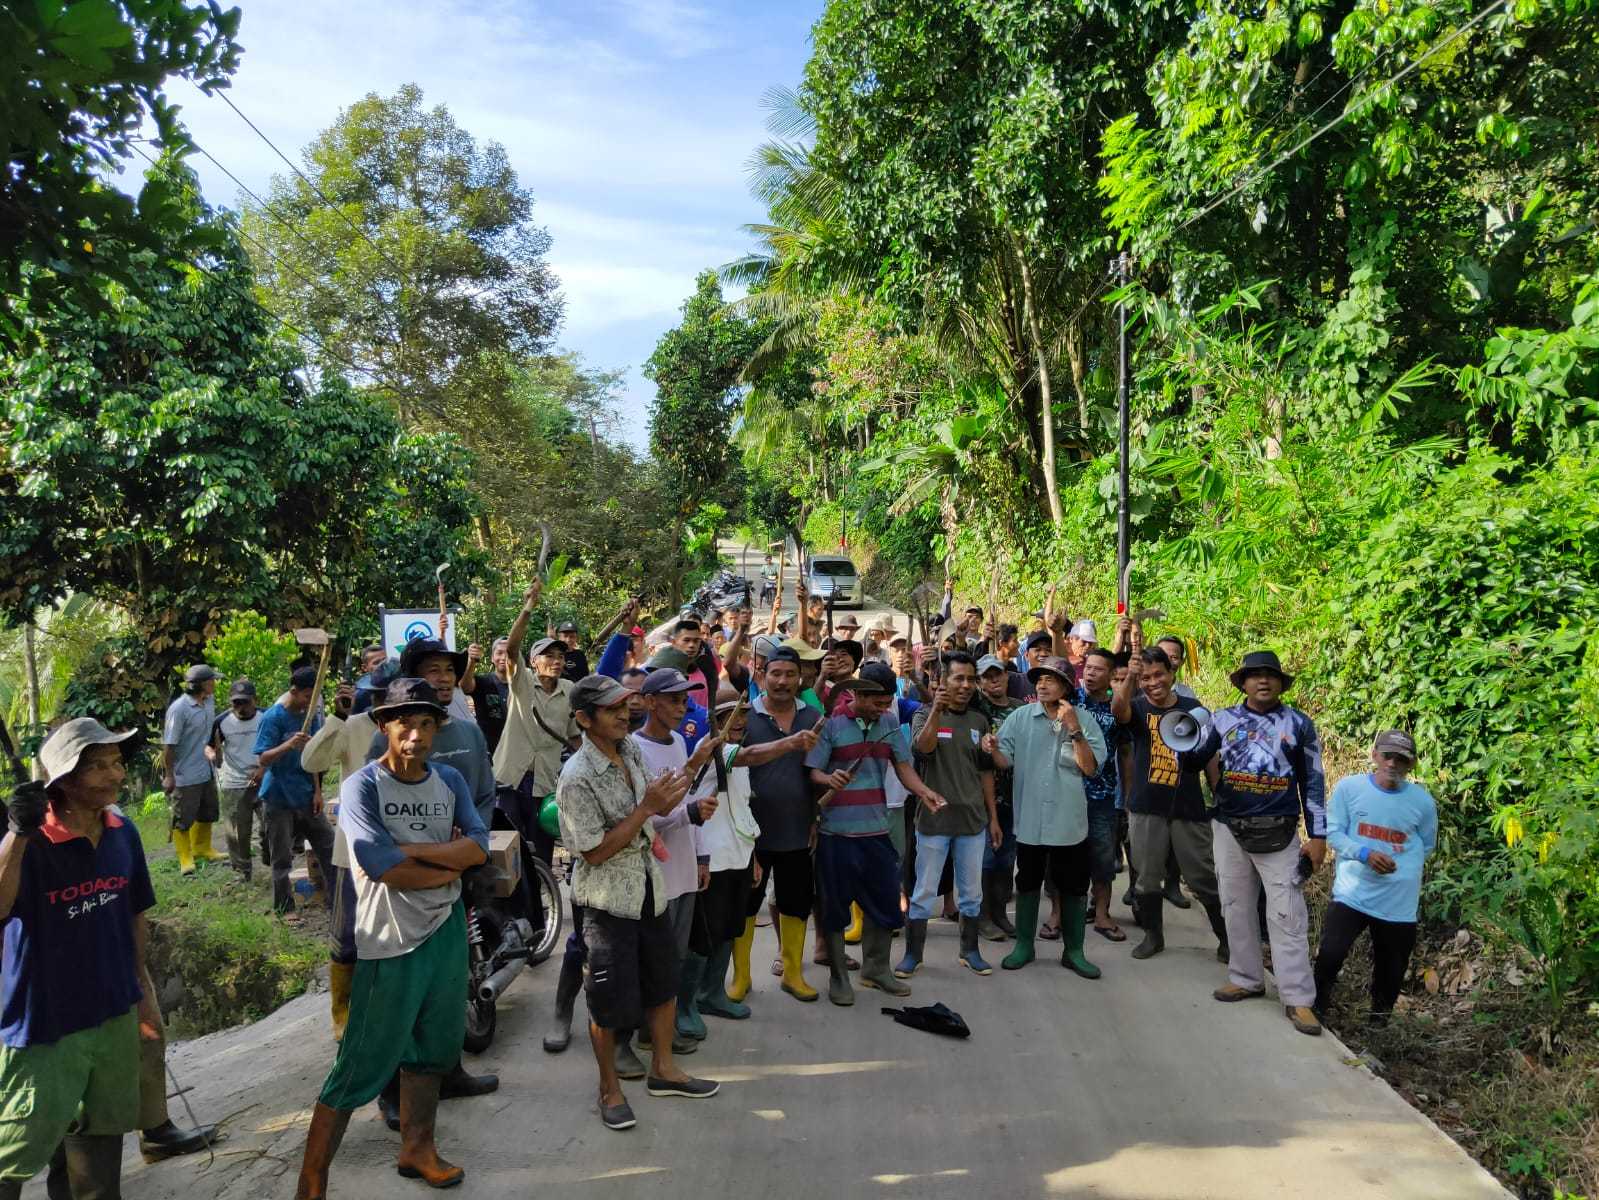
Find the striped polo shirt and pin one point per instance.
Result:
(861, 809)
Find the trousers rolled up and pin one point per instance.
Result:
(1287, 921)
(1152, 837)
(932, 851)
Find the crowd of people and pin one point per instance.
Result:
(847, 786)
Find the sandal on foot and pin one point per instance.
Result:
(1111, 933)
(1050, 933)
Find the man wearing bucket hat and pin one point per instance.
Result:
(186, 774)
(75, 993)
(413, 828)
(1382, 827)
(1263, 758)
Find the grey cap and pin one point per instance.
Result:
(596, 691)
(61, 750)
(1086, 631)
(199, 673)
(1395, 741)
(766, 645)
(989, 662)
(543, 644)
(665, 681)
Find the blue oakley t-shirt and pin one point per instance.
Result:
(69, 961)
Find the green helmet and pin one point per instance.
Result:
(550, 817)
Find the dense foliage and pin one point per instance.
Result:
(78, 79)
(1364, 303)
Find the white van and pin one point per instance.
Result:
(833, 575)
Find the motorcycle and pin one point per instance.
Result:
(501, 942)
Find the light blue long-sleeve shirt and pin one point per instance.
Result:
(1403, 825)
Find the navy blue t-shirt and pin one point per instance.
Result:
(69, 961)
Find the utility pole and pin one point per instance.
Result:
(1122, 267)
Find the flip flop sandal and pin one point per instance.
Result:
(1050, 933)
(1113, 934)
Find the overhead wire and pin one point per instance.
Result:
(284, 322)
(306, 179)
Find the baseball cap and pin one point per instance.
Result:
(1395, 741)
(783, 654)
(989, 662)
(1086, 631)
(1041, 635)
(62, 749)
(566, 627)
(406, 695)
(242, 689)
(766, 645)
(543, 644)
(199, 673)
(596, 691)
(665, 681)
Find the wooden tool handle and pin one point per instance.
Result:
(316, 689)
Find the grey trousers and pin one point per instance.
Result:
(1287, 921)
(680, 914)
(1152, 836)
(238, 810)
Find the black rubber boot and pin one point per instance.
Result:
(1218, 926)
(167, 1140)
(988, 926)
(389, 1103)
(566, 990)
(1174, 894)
(456, 1083)
(1151, 917)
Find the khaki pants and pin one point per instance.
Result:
(1287, 921)
(238, 807)
(1151, 837)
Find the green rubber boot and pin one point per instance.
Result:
(689, 1022)
(1026, 927)
(1072, 928)
(713, 988)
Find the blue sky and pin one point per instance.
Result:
(630, 120)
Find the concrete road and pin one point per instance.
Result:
(1135, 1087)
(747, 561)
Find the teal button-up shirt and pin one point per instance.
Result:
(1050, 804)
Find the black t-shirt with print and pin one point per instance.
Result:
(490, 699)
(1161, 783)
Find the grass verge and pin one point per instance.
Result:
(217, 954)
(1473, 1046)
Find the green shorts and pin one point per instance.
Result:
(406, 1013)
(86, 1083)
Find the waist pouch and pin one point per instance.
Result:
(1262, 834)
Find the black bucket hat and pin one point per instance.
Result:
(1261, 660)
(408, 695)
(419, 648)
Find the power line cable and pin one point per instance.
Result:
(306, 179)
(1341, 117)
(287, 325)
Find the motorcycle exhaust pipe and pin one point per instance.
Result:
(494, 986)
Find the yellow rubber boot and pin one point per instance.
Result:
(181, 843)
(200, 843)
(857, 921)
(791, 933)
(340, 977)
(742, 945)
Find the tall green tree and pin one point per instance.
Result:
(78, 79)
(163, 453)
(408, 249)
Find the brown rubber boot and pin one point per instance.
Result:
(419, 1155)
(321, 1144)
